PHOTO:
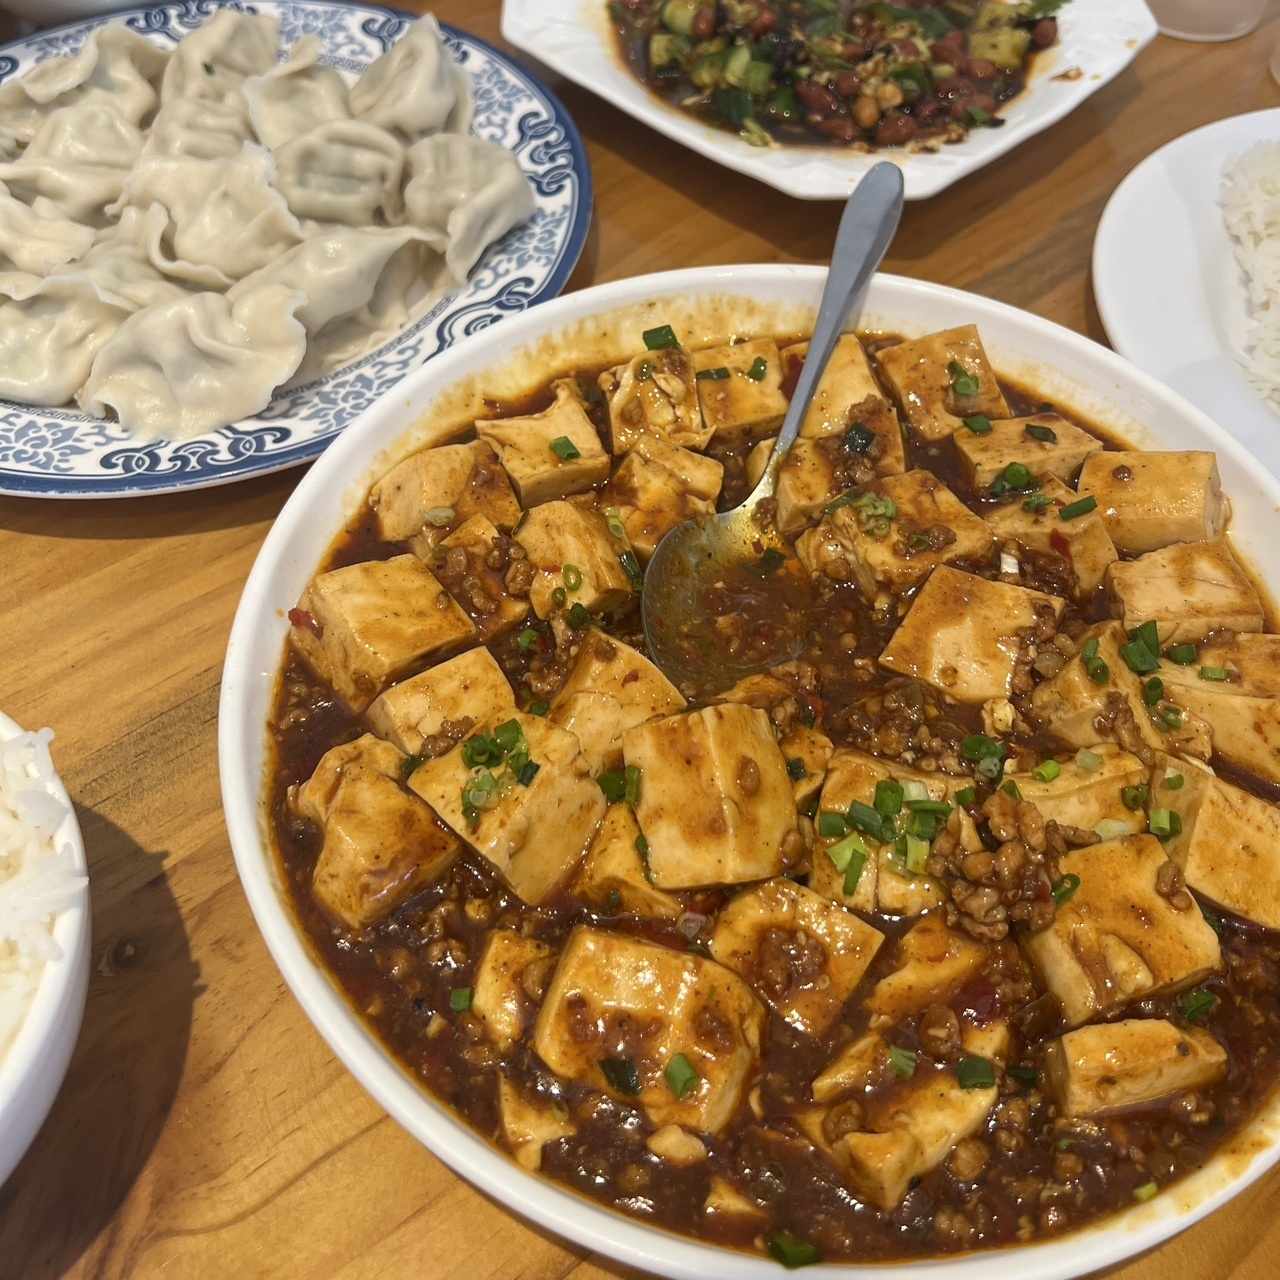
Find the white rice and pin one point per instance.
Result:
(1251, 210)
(37, 880)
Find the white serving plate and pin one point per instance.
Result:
(1100, 37)
(702, 303)
(1166, 281)
(32, 1070)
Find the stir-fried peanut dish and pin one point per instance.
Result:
(951, 928)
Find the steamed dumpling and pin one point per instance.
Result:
(344, 171)
(129, 261)
(200, 129)
(295, 96)
(50, 331)
(468, 190)
(225, 214)
(37, 243)
(414, 87)
(181, 368)
(114, 65)
(213, 62)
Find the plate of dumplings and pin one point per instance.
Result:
(227, 230)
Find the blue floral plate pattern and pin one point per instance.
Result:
(61, 453)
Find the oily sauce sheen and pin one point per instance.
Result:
(1043, 1176)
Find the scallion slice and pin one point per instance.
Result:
(460, 999)
(1081, 507)
(980, 425)
(973, 1072)
(662, 336)
(1046, 771)
(681, 1078)
(565, 449)
(903, 1062)
(1064, 889)
(759, 367)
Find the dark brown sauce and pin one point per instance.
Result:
(402, 989)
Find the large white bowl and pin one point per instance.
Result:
(31, 1072)
(700, 304)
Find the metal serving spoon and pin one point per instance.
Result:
(699, 553)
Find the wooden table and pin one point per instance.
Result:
(205, 1129)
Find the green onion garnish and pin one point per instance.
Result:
(1217, 674)
(680, 1075)
(614, 785)
(631, 567)
(1133, 798)
(903, 1062)
(1183, 654)
(1152, 691)
(832, 826)
(1046, 435)
(1010, 788)
(1082, 507)
(527, 638)
(1145, 1192)
(621, 1073)
(1197, 1005)
(975, 1073)
(539, 707)
(966, 796)
(1046, 771)
(631, 785)
(791, 1251)
(572, 576)
(1173, 781)
(1036, 502)
(1024, 1075)
(565, 449)
(759, 367)
(460, 999)
(796, 769)
(718, 374)
(1064, 890)
(1013, 478)
(1089, 761)
(663, 336)
(1164, 823)
(963, 383)
(579, 616)
(980, 425)
(1171, 718)
(526, 773)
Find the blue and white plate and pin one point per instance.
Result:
(60, 453)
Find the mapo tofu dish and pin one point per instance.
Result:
(850, 73)
(954, 928)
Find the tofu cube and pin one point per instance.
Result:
(1045, 443)
(807, 481)
(611, 688)
(460, 561)
(748, 403)
(715, 800)
(1082, 541)
(434, 490)
(1118, 1065)
(655, 395)
(533, 448)
(1229, 845)
(1084, 798)
(498, 996)
(559, 534)
(932, 962)
(467, 690)
(614, 877)
(658, 486)
(638, 1004)
(1243, 712)
(922, 373)
(381, 844)
(964, 635)
(365, 625)
(847, 383)
(528, 1126)
(858, 1066)
(726, 1204)
(1188, 590)
(1117, 939)
(1067, 704)
(856, 542)
(1150, 499)
(801, 952)
(534, 834)
(807, 753)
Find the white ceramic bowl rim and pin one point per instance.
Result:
(297, 542)
(26, 1056)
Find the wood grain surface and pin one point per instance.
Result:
(204, 1128)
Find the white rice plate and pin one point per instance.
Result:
(37, 878)
(1251, 210)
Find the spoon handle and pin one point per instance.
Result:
(867, 226)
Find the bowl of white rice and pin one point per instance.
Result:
(44, 936)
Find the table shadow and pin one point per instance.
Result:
(124, 1074)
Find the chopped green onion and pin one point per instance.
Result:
(479, 750)
(1036, 502)
(1183, 654)
(614, 785)
(1081, 507)
(527, 772)
(1171, 718)
(621, 1073)
(858, 439)
(460, 999)
(759, 367)
(1064, 890)
(631, 567)
(1216, 674)
(1145, 1192)
(974, 1072)
(1164, 823)
(631, 784)
(912, 789)
(870, 822)
(1098, 671)
(565, 449)
(579, 616)
(987, 754)
(1134, 798)
(1089, 761)
(795, 769)
(1173, 781)
(559, 597)
(663, 336)
(1197, 1005)
(966, 796)
(1046, 435)
(963, 383)
(1013, 478)
(1138, 658)
(917, 854)
(539, 707)
(1010, 788)
(527, 639)
(1024, 1075)
(940, 807)
(508, 735)
(1152, 691)
(980, 425)
(903, 1062)
(718, 374)
(1046, 771)
(832, 826)
(572, 576)
(680, 1075)
(613, 521)
(791, 1251)
(977, 116)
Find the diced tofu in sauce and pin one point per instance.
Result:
(747, 404)
(655, 395)
(1118, 939)
(528, 1126)
(1151, 499)
(715, 799)
(551, 454)
(658, 486)
(846, 385)
(932, 962)
(557, 535)
(923, 373)
(807, 753)
(500, 996)
(1188, 590)
(637, 1005)
(614, 876)
(1119, 1065)
(365, 625)
(462, 561)
(801, 952)
(966, 635)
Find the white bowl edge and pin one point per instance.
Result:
(1091, 379)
